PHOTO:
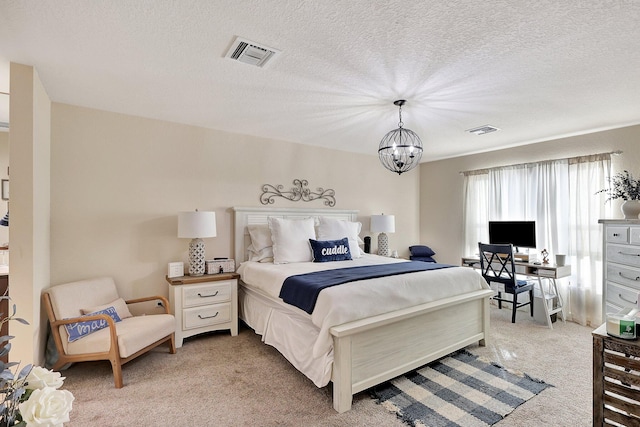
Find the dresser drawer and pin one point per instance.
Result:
(628, 276)
(207, 293)
(621, 254)
(199, 317)
(634, 235)
(621, 296)
(610, 308)
(617, 234)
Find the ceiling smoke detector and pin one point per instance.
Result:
(251, 53)
(483, 129)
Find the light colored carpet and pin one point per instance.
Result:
(219, 380)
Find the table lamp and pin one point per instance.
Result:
(196, 226)
(383, 224)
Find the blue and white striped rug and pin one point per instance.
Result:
(457, 390)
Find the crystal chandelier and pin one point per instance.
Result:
(401, 149)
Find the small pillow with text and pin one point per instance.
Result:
(330, 250)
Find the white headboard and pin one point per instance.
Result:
(259, 215)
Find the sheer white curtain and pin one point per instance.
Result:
(586, 176)
(560, 196)
(476, 211)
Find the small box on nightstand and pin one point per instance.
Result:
(221, 266)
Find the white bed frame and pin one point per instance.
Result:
(370, 351)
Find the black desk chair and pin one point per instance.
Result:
(496, 263)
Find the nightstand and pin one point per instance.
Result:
(204, 303)
(616, 362)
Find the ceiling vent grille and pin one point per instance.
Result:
(251, 53)
(481, 130)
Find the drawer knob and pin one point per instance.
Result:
(615, 234)
(207, 317)
(624, 299)
(627, 277)
(208, 296)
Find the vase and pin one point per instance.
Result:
(631, 209)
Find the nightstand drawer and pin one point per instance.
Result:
(617, 234)
(205, 316)
(626, 255)
(207, 293)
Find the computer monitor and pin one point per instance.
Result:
(521, 234)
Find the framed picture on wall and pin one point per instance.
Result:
(5, 189)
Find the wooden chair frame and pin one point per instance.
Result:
(113, 355)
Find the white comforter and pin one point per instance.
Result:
(358, 300)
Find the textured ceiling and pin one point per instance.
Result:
(536, 70)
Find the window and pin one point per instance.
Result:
(560, 195)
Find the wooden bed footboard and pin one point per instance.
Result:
(370, 351)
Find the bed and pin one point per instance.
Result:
(374, 342)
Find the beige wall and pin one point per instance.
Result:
(118, 182)
(30, 205)
(4, 205)
(441, 184)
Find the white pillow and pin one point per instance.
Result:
(264, 255)
(119, 305)
(260, 236)
(334, 229)
(291, 239)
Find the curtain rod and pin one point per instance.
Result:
(575, 159)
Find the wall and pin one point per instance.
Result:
(118, 182)
(441, 194)
(29, 142)
(4, 205)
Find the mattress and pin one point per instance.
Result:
(304, 339)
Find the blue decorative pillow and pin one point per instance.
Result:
(330, 250)
(81, 329)
(421, 250)
(422, 258)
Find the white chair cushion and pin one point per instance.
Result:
(134, 333)
(120, 305)
(69, 299)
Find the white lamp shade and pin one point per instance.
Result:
(196, 224)
(383, 223)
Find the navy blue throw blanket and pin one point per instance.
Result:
(302, 290)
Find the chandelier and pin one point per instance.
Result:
(401, 149)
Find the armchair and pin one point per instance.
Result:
(117, 341)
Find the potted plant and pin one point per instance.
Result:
(31, 396)
(624, 186)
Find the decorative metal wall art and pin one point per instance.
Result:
(297, 193)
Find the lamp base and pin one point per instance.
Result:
(383, 244)
(196, 257)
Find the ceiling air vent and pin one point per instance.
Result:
(482, 130)
(251, 53)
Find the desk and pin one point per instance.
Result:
(539, 272)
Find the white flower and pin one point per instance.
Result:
(40, 377)
(47, 407)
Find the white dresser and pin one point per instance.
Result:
(204, 303)
(621, 264)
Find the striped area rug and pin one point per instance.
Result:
(458, 390)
